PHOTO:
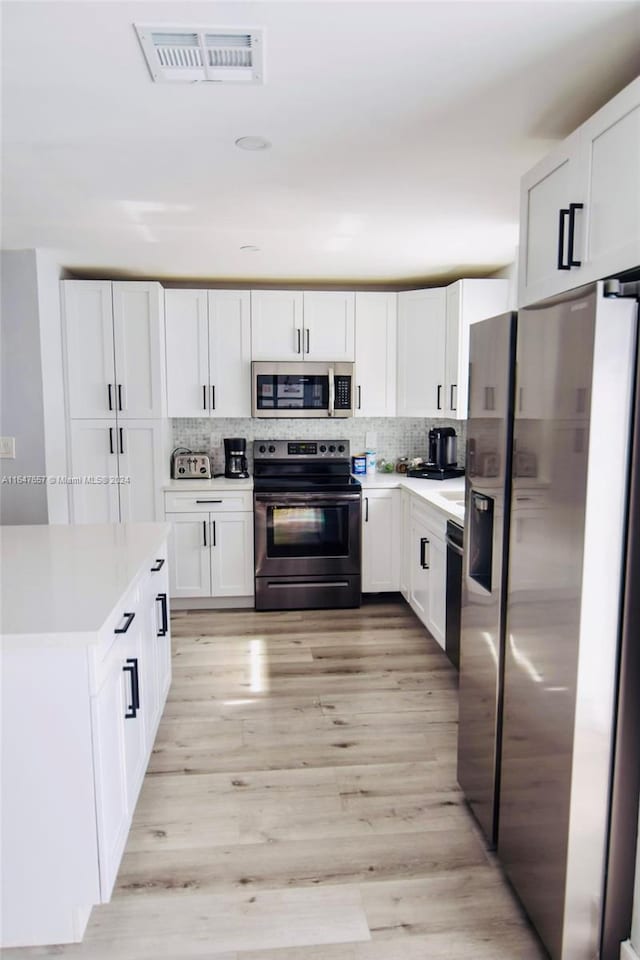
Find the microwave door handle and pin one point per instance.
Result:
(332, 393)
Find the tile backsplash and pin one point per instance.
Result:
(395, 436)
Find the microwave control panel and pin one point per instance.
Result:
(343, 392)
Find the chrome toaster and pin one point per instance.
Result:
(191, 466)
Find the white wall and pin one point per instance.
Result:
(21, 404)
(510, 273)
(55, 440)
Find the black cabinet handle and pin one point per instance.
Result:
(120, 431)
(454, 386)
(213, 532)
(298, 332)
(308, 340)
(213, 396)
(366, 509)
(572, 232)
(111, 450)
(131, 666)
(204, 396)
(423, 543)
(204, 533)
(129, 617)
(119, 396)
(162, 598)
(439, 399)
(159, 565)
(110, 396)
(208, 501)
(564, 213)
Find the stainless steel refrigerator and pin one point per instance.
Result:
(548, 699)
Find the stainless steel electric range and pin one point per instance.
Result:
(307, 525)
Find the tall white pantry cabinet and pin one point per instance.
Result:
(117, 432)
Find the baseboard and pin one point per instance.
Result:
(627, 952)
(212, 603)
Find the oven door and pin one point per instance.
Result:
(302, 389)
(303, 535)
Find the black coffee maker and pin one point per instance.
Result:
(235, 458)
(443, 448)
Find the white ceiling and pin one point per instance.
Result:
(399, 132)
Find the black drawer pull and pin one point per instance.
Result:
(208, 501)
(159, 565)
(162, 598)
(131, 666)
(129, 617)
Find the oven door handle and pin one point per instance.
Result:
(305, 499)
(332, 393)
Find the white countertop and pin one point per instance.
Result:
(430, 491)
(219, 484)
(61, 579)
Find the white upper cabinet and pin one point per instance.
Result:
(291, 325)
(208, 336)
(421, 353)
(468, 301)
(580, 207)
(187, 340)
(230, 353)
(376, 337)
(276, 325)
(88, 338)
(329, 325)
(138, 336)
(114, 349)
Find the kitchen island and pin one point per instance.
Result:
(86, 667)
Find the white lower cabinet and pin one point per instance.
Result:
(427, 571)
(211, 544)
(381, 537)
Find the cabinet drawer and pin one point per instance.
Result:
(208, 502)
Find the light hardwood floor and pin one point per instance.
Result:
(301, 804)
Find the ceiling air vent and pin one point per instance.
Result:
(190, 54)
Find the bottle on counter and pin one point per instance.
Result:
(371, 461)
(402, 464)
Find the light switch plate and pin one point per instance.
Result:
(7, 448)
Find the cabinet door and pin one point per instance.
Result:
(405, 539)
(107, 725)
(276, 325)
(142, 466)
(138, 333)
(230, 353)
(88, 348)
(94, 469)
(452, 352)
(419, 569)
(421, 353)
(549, 188)
(437, 607)
(380, 541)
(329, 325)
(611, 140)
(136, 668)
(187, 346)
(189, 555)
(376, 357)
(232, 569)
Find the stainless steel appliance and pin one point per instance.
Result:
(186, 465)
(307, 525)
(235, 458)
(442, 461)
(454, 540)
(550, 686)
(302, 389)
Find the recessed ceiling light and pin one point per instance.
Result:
(250, 248)
(252, 143)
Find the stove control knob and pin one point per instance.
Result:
(332, 449)
(262, 448)
(272, 449)
(341, 448)
(323, 449)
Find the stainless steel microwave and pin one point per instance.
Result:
(302, 389)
